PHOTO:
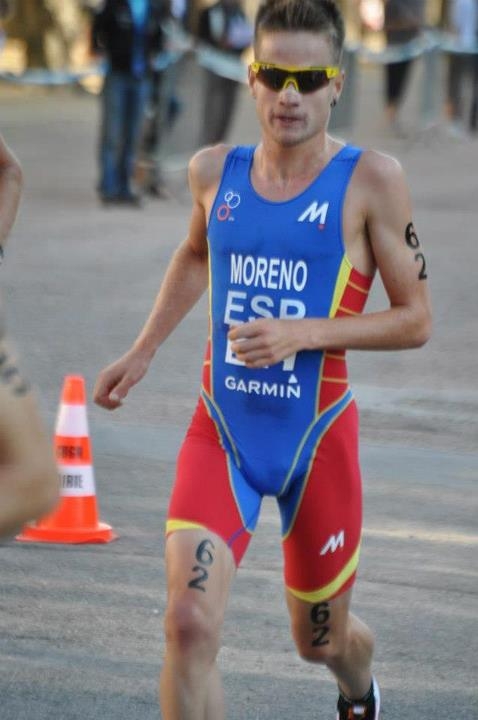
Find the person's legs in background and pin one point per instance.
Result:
(112, 131)
(230, 90)
(396, 75)
(151, 137)
(220, 96)
(474, 97)
(453, 87)
(134, 100)
(458, 70)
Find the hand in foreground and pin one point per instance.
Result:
(115, 381)
(264, 342)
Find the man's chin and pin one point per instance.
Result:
(290, 140)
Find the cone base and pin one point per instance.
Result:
(101, 533)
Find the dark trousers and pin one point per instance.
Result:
(123, 103)
(220, 96)
(460, 68)
(397, 73)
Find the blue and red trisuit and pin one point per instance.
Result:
(289, 430)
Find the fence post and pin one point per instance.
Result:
(432, 90)
(343, 115)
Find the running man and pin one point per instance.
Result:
(28, 476)
(287, 236)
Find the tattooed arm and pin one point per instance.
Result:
(28, 475)
(10, 190)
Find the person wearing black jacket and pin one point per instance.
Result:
(129, 34)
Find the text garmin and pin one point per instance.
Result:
(291, 389)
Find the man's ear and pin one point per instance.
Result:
(251, 81)
(338, 86)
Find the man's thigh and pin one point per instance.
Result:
(199, 568)
(209, 491)
(322, 518)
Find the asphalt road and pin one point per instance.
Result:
(80, 626)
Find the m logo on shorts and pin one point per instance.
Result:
(333, 543)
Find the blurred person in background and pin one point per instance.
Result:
(225, 27)
(5, 12)
(164, 105)
(129, 34)
(403, 21)
(462, 66)
(31, 21)
(29, 484)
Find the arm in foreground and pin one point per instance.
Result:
(185, 281)
(398, 255)
(11, 182)
(29, 485)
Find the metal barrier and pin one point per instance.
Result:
(429, 46)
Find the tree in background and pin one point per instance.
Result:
(49, 29)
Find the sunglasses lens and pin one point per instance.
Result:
(273, 78)
(311, 80)
(307, 80)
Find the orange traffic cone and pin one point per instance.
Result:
(75, 519)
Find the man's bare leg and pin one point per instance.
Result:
(328, 633)
(199, 568)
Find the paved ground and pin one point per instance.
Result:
(80, 627)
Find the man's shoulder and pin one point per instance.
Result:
(206, 165)
(378, 181)
(377, 168)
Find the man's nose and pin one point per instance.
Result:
(290, 91)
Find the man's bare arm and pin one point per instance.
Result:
(185, 281)
(11, 182)
(29, 484)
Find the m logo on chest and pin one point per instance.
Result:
(314, 213)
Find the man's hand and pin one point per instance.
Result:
(264, 342)
(115, 381)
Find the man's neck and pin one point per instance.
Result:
(282, 166)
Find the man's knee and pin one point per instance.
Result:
(325, 651)
(190, 625)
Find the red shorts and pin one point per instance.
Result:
(321, 510)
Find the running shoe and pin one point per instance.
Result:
(366, 709)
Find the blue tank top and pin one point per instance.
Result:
(283, 260)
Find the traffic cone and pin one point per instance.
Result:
(75, 519)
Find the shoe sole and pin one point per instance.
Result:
(376, 695)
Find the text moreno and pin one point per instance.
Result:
(271, 273)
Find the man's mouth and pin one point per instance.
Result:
(288, 119)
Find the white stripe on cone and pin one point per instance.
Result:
(76, 480)
(71, 420)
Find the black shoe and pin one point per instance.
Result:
(129, 198)
(109, 199)
(368, 708)
(160, 192)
